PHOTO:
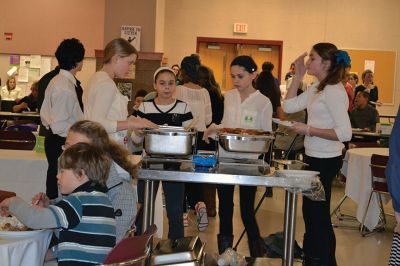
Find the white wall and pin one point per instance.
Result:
(358, 24)
(89, 67)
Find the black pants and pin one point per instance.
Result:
(53, 149)
(247, 197)
(319, 238)
(174, 193)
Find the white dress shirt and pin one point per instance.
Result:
(327, 110)
(60, 108)
(255, 112)
(199, 103)
(105, 104)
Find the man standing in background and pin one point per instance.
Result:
(61, 106)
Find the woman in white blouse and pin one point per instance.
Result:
(11, 92)
(103, 102)
(328, 125)
(244, 107)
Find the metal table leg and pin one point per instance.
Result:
(289, 228)
(148, 204)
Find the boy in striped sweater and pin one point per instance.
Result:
(84, 217)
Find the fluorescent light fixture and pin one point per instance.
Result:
(264, 49)
(213, 46)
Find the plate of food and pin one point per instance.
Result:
(11, 227)
(282, 122)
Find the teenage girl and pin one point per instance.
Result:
(328, 125)
(103, 102)
(244, 107)
(166, 110)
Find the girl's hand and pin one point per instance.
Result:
(300, 66)
(4, 207)
(299, 128)
(136, 123)
(210, 130)
(40, 200)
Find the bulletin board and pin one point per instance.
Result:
(384, 64)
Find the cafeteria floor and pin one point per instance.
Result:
(351, 248)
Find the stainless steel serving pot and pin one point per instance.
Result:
(169, 141)
(245, 143)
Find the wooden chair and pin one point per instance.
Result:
(17, 140)
(133, 251)
(378, 187)
(353, 145)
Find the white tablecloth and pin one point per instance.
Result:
(23, 172)
(29, 251)
(356, 168)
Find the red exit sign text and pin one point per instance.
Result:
(240, 27)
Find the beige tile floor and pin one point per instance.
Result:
(351, 248)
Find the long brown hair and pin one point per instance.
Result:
(207, 81)
(99, 138)
(336, 71)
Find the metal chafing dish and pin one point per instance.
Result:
(169, 141)
(182, 251)
(245, 143)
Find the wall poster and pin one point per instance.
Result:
(132, 35)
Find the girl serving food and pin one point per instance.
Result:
(166, 110)
(246, 108)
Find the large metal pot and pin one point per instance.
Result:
(169, 141)
(245, 143)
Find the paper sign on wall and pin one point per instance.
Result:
(23, 74)
(369, 64)
(132, 35)
(45, 65)
(36, 61)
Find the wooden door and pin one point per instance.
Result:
(218, 57)
(260, 54)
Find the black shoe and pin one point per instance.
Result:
(224, 242)
(257, 248)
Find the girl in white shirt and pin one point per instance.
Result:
(103, 102)
(244, 107)
(327, 127)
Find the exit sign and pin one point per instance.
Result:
(240, 27)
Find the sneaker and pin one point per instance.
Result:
(185, 219)
(202, 218)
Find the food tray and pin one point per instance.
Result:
(168, 141)
(245, 143)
